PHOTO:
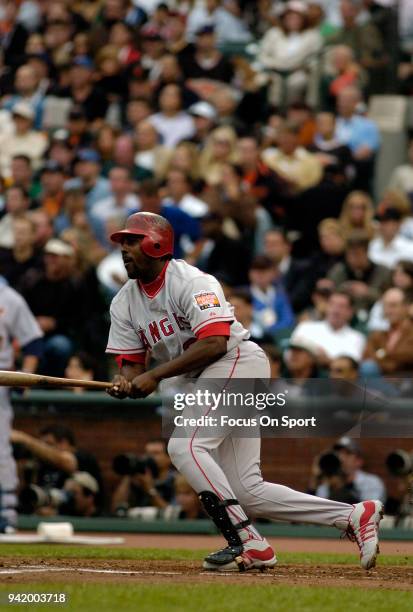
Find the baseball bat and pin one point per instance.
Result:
(23, 379)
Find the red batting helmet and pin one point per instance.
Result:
(157, 232)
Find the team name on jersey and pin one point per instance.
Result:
(161, 328)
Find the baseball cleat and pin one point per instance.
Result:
(254, 554)
(363, 528)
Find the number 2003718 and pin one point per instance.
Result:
(36, 598)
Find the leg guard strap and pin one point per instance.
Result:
(216, 509)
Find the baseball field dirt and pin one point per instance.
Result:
(163, 573)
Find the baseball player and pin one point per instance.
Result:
(180, 316)
(16, 323)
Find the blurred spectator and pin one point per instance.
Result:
(344, 71)
(121, 201)
(389, 247)
(185, 157)
(334, 157)
(395, 199)
(360, 277)
(359, 133)
(187, 501)
(389, 352)
(319, 299)
(288, 49)
(43, 227)
(294, 273)
(301, 114)
(298, 167)
(22, 174)
(333, 336)
(364, 39)
(220, 148)
(150, 156)
(178, 188)
(24, 141)
(13, 34)
(271, 307)
(402, 176)
(81, 366)
(344, 368)
(171, 122)
(241, 300)
(301, 362)
(26, 89)
(17, 203)
(274, 357)
(204, 116)
(52, 179)
(357, 214)
(23, 256)
(402, 278)
(229, 25)
(362, 485)
(332, 244)
(206, 62)
(151, 485)
(87, 171)
(51, 295)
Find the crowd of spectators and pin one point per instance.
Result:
(245, 124)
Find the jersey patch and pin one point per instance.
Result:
(206, 299)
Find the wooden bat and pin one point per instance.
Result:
(22, 379)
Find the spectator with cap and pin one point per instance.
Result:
(357, 274)
(389, 247)
(288, 47)
(389, 352)
(363, 485)
(17, 202)
(294, 273)
(202, 15)
(333, 336)
(271, 306)
(23, 256)
(121, 201)
(179, 193)
(24, 141)
(207, 62)
(204, 117)
(300, 359)
(87, 171)
(171, 122)
(344, 368)
(320, 295)
(51, 295)
(83, 91)
(359, 133)
(153, 48)
(52, 179)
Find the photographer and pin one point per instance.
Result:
(56, 459)
(146, 481)
(338, 475)
(399, 502)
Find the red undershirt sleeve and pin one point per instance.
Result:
(214, 329)
(138, 358)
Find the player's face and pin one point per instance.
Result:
(136, 263)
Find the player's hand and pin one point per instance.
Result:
(143, 385)
(120, 387)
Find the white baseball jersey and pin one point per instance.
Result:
(16, 322)
(169, 321)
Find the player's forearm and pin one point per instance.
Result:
(199, 355)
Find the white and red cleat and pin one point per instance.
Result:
(255, 554)
(363, 528)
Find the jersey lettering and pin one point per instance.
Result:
(181, 322)
(167, 330)
(143, 338)
(154, 331)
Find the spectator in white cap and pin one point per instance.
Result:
(204, 116)
(25, 141)
(84, 490)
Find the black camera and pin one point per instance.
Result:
(399, 463)
(34, 497)
(130, 464)
(330, 464)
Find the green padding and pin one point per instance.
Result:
(202, 527)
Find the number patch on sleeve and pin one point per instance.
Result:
(206, 299)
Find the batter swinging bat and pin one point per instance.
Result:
(22, 379)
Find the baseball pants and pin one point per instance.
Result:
(8, 472)
(230, 466)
